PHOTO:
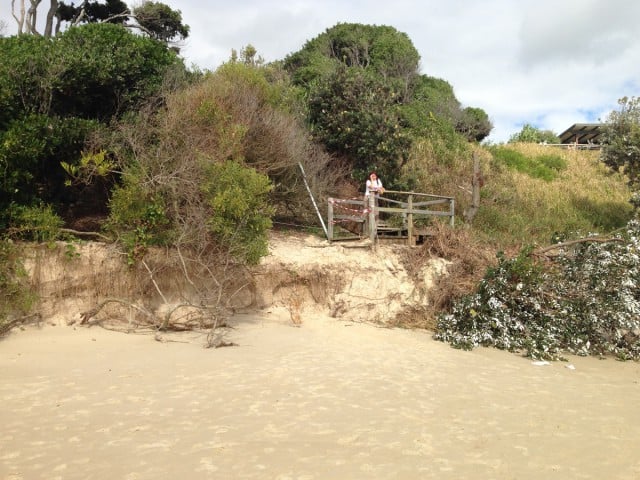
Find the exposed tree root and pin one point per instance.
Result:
(16, 322)
(167, 322)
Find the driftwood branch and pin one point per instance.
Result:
(542, 252)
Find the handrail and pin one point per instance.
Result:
(367, 211)
(417, 193)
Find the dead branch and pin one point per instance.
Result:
(6, 327)
(166, 322)
(85, 317)
(78, 233)
(542, 252)
(155, 284)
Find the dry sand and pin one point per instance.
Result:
(328, 400)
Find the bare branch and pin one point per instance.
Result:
(78, 233)
(85, 317)
(155, 284)
(541, 252)
(83, 12)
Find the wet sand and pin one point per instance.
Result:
(328, 400)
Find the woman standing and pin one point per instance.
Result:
(373, 184)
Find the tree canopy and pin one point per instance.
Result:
(385, 50)
(531, 134)
(621, 140)
(367, 100)
(161, 22)
(113, 11)
(155, 19)
(55, 92)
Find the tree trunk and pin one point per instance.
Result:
(476, 183)
(51, 14)
(19, 19)
(32, 17)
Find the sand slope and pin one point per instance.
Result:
(329, 400)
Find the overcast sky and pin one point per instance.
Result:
(549, 63)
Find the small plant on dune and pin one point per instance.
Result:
(16, 298)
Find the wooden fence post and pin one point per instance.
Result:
(373, 226)
(410, 239)
(330, 220)
(476, 183)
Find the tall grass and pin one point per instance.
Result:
(583, 197)
(530, 194)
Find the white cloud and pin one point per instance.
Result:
(550, 63)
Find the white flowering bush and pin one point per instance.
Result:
(584, 300)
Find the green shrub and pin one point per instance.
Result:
(585, 300)
(138, 219)
(552, 162)
(38, 223)
(31, 152)
(510, 158)
(240, 211)
(531, 134)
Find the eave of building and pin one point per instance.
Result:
(582, 133)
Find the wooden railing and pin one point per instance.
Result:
(392, 214)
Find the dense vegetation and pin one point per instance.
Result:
(580, 293)
(55, 94)
(578, 297)
(367, 102)
(105, 130)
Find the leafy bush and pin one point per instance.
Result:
(621, 140)
(31, 152)
(38, 223)
(367, 103)
(585, 300)
(354, 114)
(381, 48)
(240, 211)
(102, 70)
(552, 162)
(138, 219)
(531, 134)
(55, 93)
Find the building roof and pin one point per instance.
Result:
(582, 133)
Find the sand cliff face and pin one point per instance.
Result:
(350, 281)
(301, 273)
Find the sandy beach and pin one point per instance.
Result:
(328, 400)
